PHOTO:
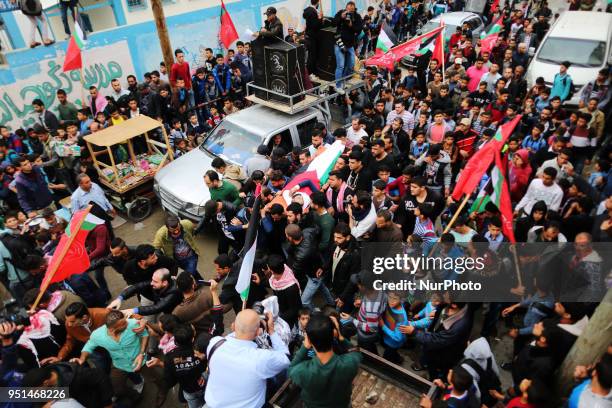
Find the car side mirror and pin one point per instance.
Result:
(531, 51)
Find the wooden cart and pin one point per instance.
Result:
(132, 197)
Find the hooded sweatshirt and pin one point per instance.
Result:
(519, 176)
(479, 351)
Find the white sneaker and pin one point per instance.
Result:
(314, 78)
(139, 387)
(340, 91)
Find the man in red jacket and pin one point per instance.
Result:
(180, 69)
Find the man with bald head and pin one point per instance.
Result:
(236, 364)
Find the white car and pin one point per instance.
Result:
(583, 38)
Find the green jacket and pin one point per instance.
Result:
(227, 192)
(7, 268)
(164, 242)
(328, 385)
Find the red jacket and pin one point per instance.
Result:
(182, 71)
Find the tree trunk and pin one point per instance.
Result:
(591, 344)
(162, 33)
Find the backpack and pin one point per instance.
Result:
(488, 380)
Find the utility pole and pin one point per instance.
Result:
(591, 344)
(162, 33)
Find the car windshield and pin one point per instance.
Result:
(231, 142)
(432, 25)
(581, 53)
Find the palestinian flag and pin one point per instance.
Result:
(435, 45)
(476, 167)
(70, 256)
(488, 42)
(243, 285)
(76, 43)
(227, 30)
(483, 198)
(386, 39)
(416, 44)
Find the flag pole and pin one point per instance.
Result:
(61, 256)
(456, 215)
(442, 39)
(450, 224)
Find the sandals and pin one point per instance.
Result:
(34, 44)
(48, 43)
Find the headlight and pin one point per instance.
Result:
(194, 209)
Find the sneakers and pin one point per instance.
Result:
(340, 91)
(140, 386)
(314, 78)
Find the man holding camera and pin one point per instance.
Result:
(348, 25)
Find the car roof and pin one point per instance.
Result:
(587, 25)
(455, 18)
(261, 120)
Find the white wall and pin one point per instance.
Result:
(170, 9)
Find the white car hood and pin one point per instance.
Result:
(184, 177)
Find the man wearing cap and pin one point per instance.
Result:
(456, 68)
(273, 28)
(562, 83)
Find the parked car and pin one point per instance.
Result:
(180, 186)
(583, 38)
(452, 21)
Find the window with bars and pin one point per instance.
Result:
(135, 4)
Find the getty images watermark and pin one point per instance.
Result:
(411, 264)
(489, 272)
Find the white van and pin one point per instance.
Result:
(581, 37)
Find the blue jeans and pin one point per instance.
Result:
(190, 265)
(345, 62)
(194, 399)
(311, 289)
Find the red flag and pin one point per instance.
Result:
(488, 42)
(75, 260)
(73, 56)
(504, 204)
(479, 163)
(398, 52)
(227, 31)
(494, 6)
(438, 52)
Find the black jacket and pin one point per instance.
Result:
(289, 303)
(50, 122)
(348, 32)
(89, 386)
(183, 367)
(274, 30)
(533, 362)
(313, 24)
(132, 273)
(117, 263)
(229, 296)
(304, 259)
(164, 301)
(444, 348)
(348, 265)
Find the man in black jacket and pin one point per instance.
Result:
(161, 291)
(345, 261)
(227, 272)
(182, 366)
(273, 27)
(447, 338)
(89, 386)
(145, 262)
(348, 25)
(314, 21)
(303, 257)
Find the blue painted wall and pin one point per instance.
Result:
(125, 50)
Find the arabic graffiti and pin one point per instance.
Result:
(18, 109)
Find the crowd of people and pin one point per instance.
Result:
(309, 310)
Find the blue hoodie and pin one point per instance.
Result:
(392, 320)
